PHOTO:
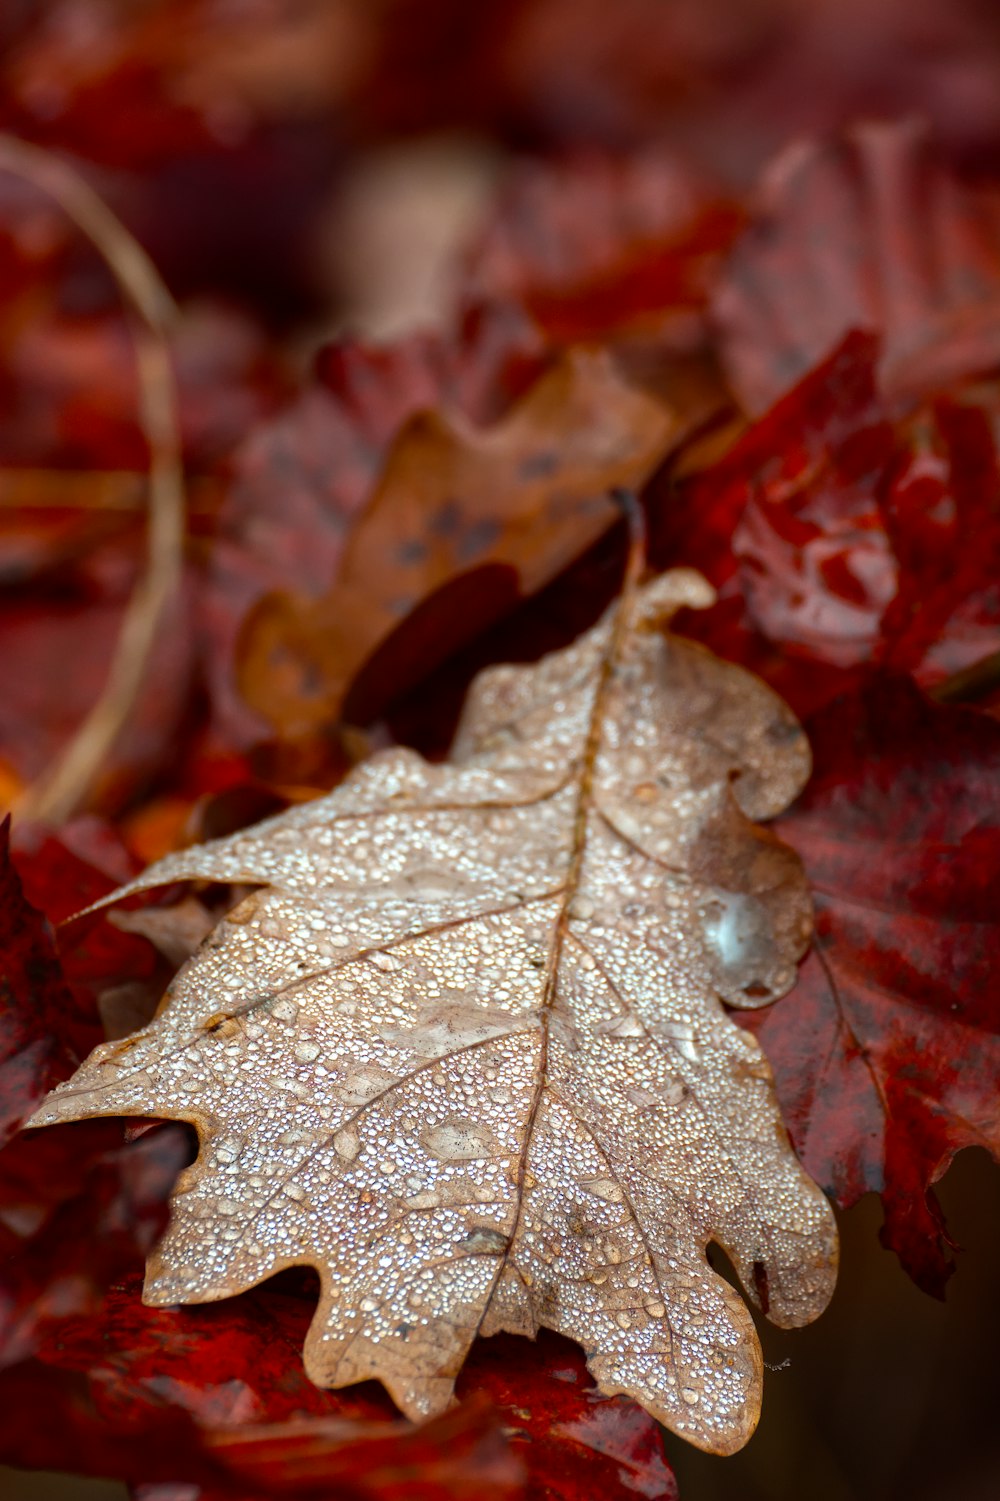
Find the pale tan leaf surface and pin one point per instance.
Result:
(464, 1052)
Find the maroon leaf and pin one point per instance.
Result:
(44, 1031)
(869, 231)
(76, 1212)
(597, 245)
(233, 1371)
(887, 1053)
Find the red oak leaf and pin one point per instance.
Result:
(887, 1053)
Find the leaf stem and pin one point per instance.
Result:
(67, 784)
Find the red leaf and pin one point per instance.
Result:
(870, 231)
(75, 1213)
(40, 1023)
(63, 874)
(838, 537)
(452, 1456)
(234, 1371)
(573, 1442)
(887, 1053)
(601, 246)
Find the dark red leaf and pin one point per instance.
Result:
(573, 1442)
(78, 1210)
(41, 1037)
(604, 246)
(840, 534)
(234, 1370)
(887, 1053)
(870, 231)
(63, 873)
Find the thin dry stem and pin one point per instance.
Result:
(971, 683)
(68, 783)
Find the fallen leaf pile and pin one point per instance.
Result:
(527, 993)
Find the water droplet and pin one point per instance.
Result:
(460, 1141)
(385, 962)
(427, 1198)
(626, 1025)
(603, 1188)
(347, 1143)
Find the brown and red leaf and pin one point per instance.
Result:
(300, 480)
(524, 496)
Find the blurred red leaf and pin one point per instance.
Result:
(451, 1456)
(74, 1215)
(41, 1038)
(57, 639)
(869, 231)
(233, 1373)
(886, 1054)
(606, 246)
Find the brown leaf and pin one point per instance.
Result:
(529, 493)
(465, 1053)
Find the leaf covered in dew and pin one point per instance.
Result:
(465, 1050)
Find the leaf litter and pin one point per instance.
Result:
(465, 1051)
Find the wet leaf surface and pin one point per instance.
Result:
(464, 1053)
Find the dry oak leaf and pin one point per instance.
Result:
(465, 1051)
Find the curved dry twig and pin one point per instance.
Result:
(66, 784)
